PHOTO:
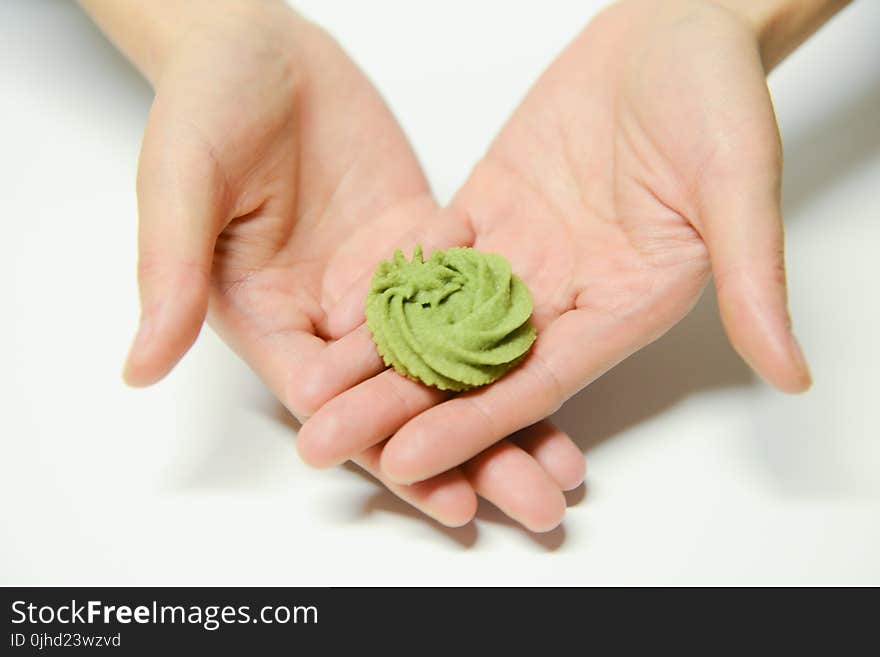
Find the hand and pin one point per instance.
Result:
(272, 177)
(644, 158)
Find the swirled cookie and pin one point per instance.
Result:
(457, 321)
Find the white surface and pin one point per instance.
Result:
(697, 473)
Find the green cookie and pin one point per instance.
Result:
(457, 321)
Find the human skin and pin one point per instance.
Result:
(645, 157)
(262, 197)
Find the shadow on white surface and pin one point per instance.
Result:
(56, 46)
(693, 356)
(830, 149)
(383, 501)
(242, 438)
(824, 446)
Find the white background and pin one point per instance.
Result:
(698, 473)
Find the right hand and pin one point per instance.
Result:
(645, 158)
(272, 179)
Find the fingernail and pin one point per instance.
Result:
(141, 340)
(799, 359)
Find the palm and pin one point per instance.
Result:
(624, 135)
(301, 181)
(586, 190)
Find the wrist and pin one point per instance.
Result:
(149, 33)
(780, 26)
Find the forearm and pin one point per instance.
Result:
(147, 31)
(783, 25)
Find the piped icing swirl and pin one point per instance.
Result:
(457, 321)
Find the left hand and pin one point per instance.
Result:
(264, 196)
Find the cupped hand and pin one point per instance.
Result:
(645, 159)
(272, 178)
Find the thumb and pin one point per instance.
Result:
(180, 193)
(742, 227)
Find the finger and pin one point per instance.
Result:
(555, 451)
(341, 365)
(740, 220)
(448, 498)
(513, 481)
(180, 196)
(571, 352)
(363, 416)
(440, 499)
(745, 240)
